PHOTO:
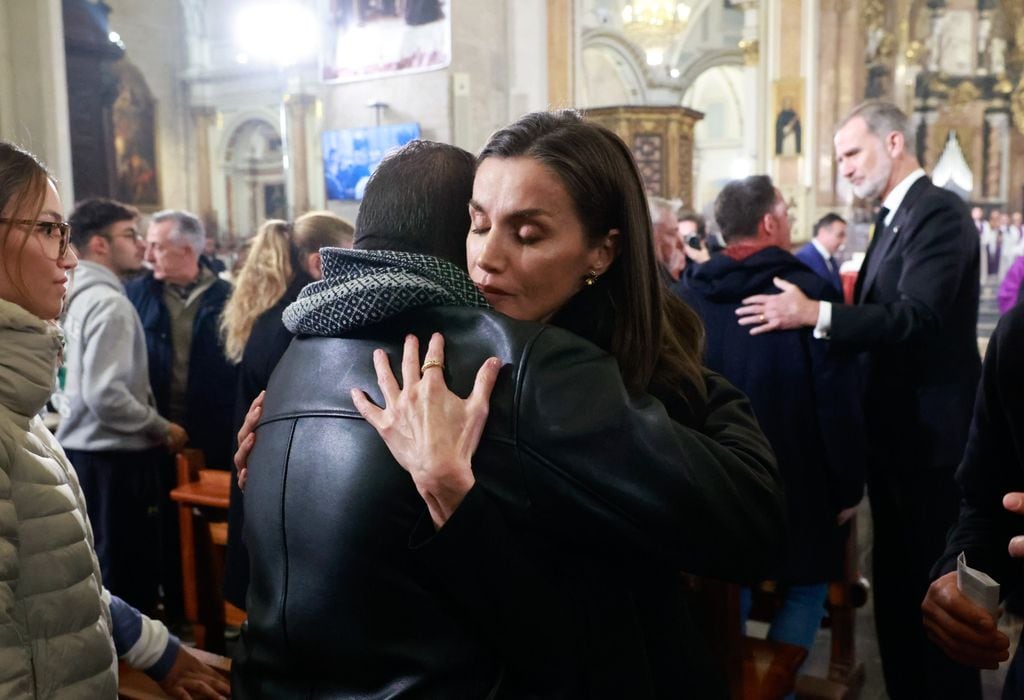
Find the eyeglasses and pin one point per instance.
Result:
(46, 228)
(137, 237)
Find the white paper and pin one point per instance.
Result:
(979, 587)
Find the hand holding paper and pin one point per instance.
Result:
(964, 630)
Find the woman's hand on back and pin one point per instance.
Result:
(247, 438)
(430, 431)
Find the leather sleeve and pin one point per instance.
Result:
(614, 473)
(935, 254)
(993, 462)
(503, 587)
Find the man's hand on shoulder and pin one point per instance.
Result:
(778, 312)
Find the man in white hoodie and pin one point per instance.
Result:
(110, 428)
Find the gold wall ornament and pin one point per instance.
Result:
(913, 51)
(872, 14)
(963, 94)
(751, 50)
(1017, 106)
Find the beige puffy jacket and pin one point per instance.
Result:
(55, 639)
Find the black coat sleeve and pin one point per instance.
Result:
(613, 473)
(993, 463)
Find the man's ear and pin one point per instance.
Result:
(895, 143)
(313, 266)
(606, 252)
(97, 247)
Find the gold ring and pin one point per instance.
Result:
(762, 318)
(431, 363)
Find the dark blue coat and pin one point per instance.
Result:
(806, 395)
(210, 395)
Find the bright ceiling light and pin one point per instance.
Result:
(281, 33)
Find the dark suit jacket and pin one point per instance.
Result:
(916, 313)
(810, 257)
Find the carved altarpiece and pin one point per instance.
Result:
(661, 139)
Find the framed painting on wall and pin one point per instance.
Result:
(789, 112)
(366, 39)
(134, 124)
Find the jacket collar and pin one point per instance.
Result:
(28, 363)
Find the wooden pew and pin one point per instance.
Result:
(202, 496)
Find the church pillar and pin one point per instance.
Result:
(298, 109)
(561, 53)
(754, 86)
(996, 172)
(204, 119)
(33, 85)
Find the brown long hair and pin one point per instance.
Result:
(23, 180)
(656, 339)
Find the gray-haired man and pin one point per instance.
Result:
(180, 302)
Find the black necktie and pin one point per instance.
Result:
(871, 261)
(880, 222)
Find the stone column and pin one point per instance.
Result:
(33, 85)
(203, 119)
(754, 86)
(561, 53)
(998, 148)
(297, 110)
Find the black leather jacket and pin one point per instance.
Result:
(557, 576)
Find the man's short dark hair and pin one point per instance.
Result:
(92, 217)
(827, 221)
(741, 204)
(417, 201)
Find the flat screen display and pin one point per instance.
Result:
(351, 155)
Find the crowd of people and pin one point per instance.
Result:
(482, 432)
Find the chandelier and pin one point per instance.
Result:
(653, 24)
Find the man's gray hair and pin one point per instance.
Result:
(187, 228)
(882, 119)
(657, 205)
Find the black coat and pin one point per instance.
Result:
(806, 394)
(210, 394)
(267, 343)
(917, 315)
(993, 465)
(556, 577)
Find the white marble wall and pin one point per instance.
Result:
(33, 85)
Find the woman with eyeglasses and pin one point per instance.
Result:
(61, 632)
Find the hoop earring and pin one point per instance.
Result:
(590, 278)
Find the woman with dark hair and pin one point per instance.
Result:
(549, 566)
(62, 630)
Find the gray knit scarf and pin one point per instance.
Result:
(363, 287)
